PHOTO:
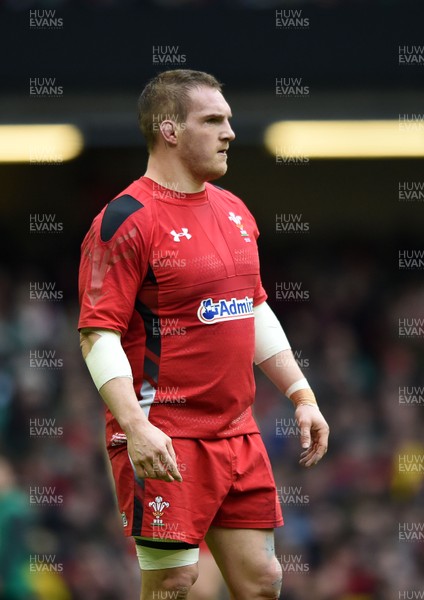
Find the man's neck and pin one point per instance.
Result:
(172, 176)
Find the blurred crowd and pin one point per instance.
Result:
(56, 499)
(345, 521)
(61, 534)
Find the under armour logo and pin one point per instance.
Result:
(184, 233)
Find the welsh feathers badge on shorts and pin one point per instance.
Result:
(158, 507)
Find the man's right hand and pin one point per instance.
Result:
(149, 448)
(151, 453)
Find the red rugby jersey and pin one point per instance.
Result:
(177, 275)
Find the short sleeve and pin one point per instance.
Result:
(114, 262)
(260, 294)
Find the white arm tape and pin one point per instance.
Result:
(269, 335)
(107, 359)
(300, 384)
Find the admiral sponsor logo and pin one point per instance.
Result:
(44, 359)
(411, 259)
(44, 563)
(291, 87)
(410, 191)
(290, 223)
(411, 55)
(412, 396)
(291, 19)
(210, 312)
(45, 87)
(44, 19)
(45, 496)
(44, 223)
(168, 55)
(411, 463)
(44, 290)
(44, 428)
(292, 563)
(411, 532)
(411, 327)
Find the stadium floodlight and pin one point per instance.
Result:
(400, 138)
(39, 143)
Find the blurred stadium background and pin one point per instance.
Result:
(347, 285)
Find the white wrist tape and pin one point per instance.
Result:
(106, 359)
(269, 335)
(301, 384)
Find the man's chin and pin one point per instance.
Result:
(217, 173)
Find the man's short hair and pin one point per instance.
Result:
(166, 96)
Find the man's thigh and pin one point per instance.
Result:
(209, 583)
(246, 558)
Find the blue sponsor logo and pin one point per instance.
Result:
(225, 310)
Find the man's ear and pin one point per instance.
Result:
(168, 131)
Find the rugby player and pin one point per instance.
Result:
(173, 316)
